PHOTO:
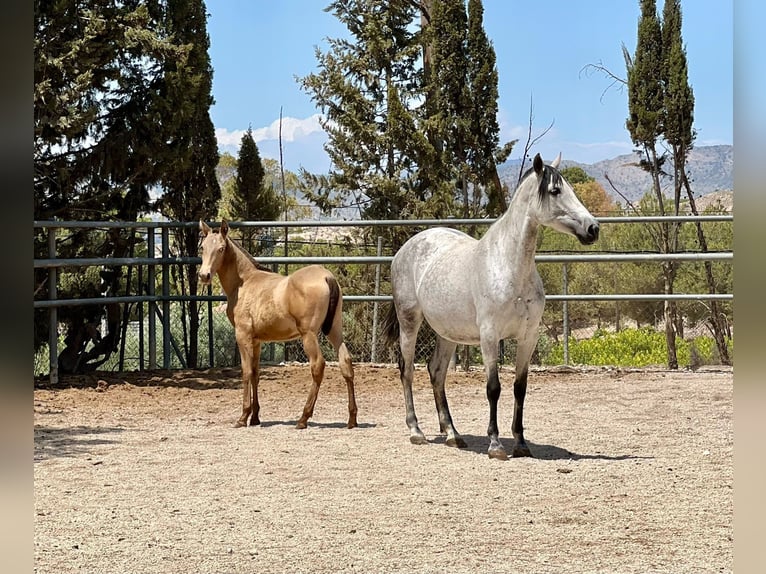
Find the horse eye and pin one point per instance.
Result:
(555, 190)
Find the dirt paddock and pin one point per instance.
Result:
(144, 473)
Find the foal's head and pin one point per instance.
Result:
(213, 248)
(558, 206)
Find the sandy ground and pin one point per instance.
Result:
(144, 472)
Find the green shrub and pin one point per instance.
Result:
(632, 348)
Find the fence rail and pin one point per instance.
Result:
(161, 301)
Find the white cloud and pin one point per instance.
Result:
(293, 129)
(303, 141)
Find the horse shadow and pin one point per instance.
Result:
(476, 444)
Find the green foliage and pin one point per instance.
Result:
(642, 347)
(645, 93)
(575, 175)
(252, 199)
(410, 112)
(678, 118)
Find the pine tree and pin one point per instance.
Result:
(370, 91)
(97, 150)
(253, 200)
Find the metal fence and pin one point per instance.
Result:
(153, 339)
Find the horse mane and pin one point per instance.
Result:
(247, 255)
(549, 173)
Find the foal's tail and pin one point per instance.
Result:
(332, 305)
(390, 327)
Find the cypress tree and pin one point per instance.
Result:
(452, 107)
(679, 133)
(646, 109)
(482, 79)
(191, 190)
(252, 199)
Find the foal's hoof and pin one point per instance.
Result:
(301, 425)
(254, 422)
(456, 442)
(351, 425)
(498, 453)
(239, 424)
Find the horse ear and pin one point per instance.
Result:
(224, 228)
(203, 228)
(537, 163)
(557, 161)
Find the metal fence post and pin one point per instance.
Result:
(565, 311)
(374, 351)
(165, 300)
(152, 304)
(53, 327)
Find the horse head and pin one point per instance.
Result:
(213, 248)
(559, 207)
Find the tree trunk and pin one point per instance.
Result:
(717, 322)
(668, 271)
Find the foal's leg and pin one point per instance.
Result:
(523, 355)
(409, 324)
(249, 361)
(346, 368)
(317, 363)
(489, 355)
(255, 418)
(437, 369)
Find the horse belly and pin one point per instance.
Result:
(449, 309)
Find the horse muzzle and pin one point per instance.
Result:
(591, 234)
(205, 277)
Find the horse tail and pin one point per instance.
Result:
(390, 327)
(332, 305)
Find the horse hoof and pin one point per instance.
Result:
(351, 425)
(521, 451)
(254, 422)
(301, 425)
(239, 424)
(418, 439)
(457, 442)
(498, 454)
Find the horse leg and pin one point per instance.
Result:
(489, 356)
(245, 344)
(317, 363)
(408, 333)
(524, 351)
(437, 370)
(346, 369)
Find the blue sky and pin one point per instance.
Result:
(258, 48)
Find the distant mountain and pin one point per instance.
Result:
(710, 169)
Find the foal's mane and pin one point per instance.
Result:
(247, 255)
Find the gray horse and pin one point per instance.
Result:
(479, 292)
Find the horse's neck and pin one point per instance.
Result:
(237, 267)
(513, 237)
